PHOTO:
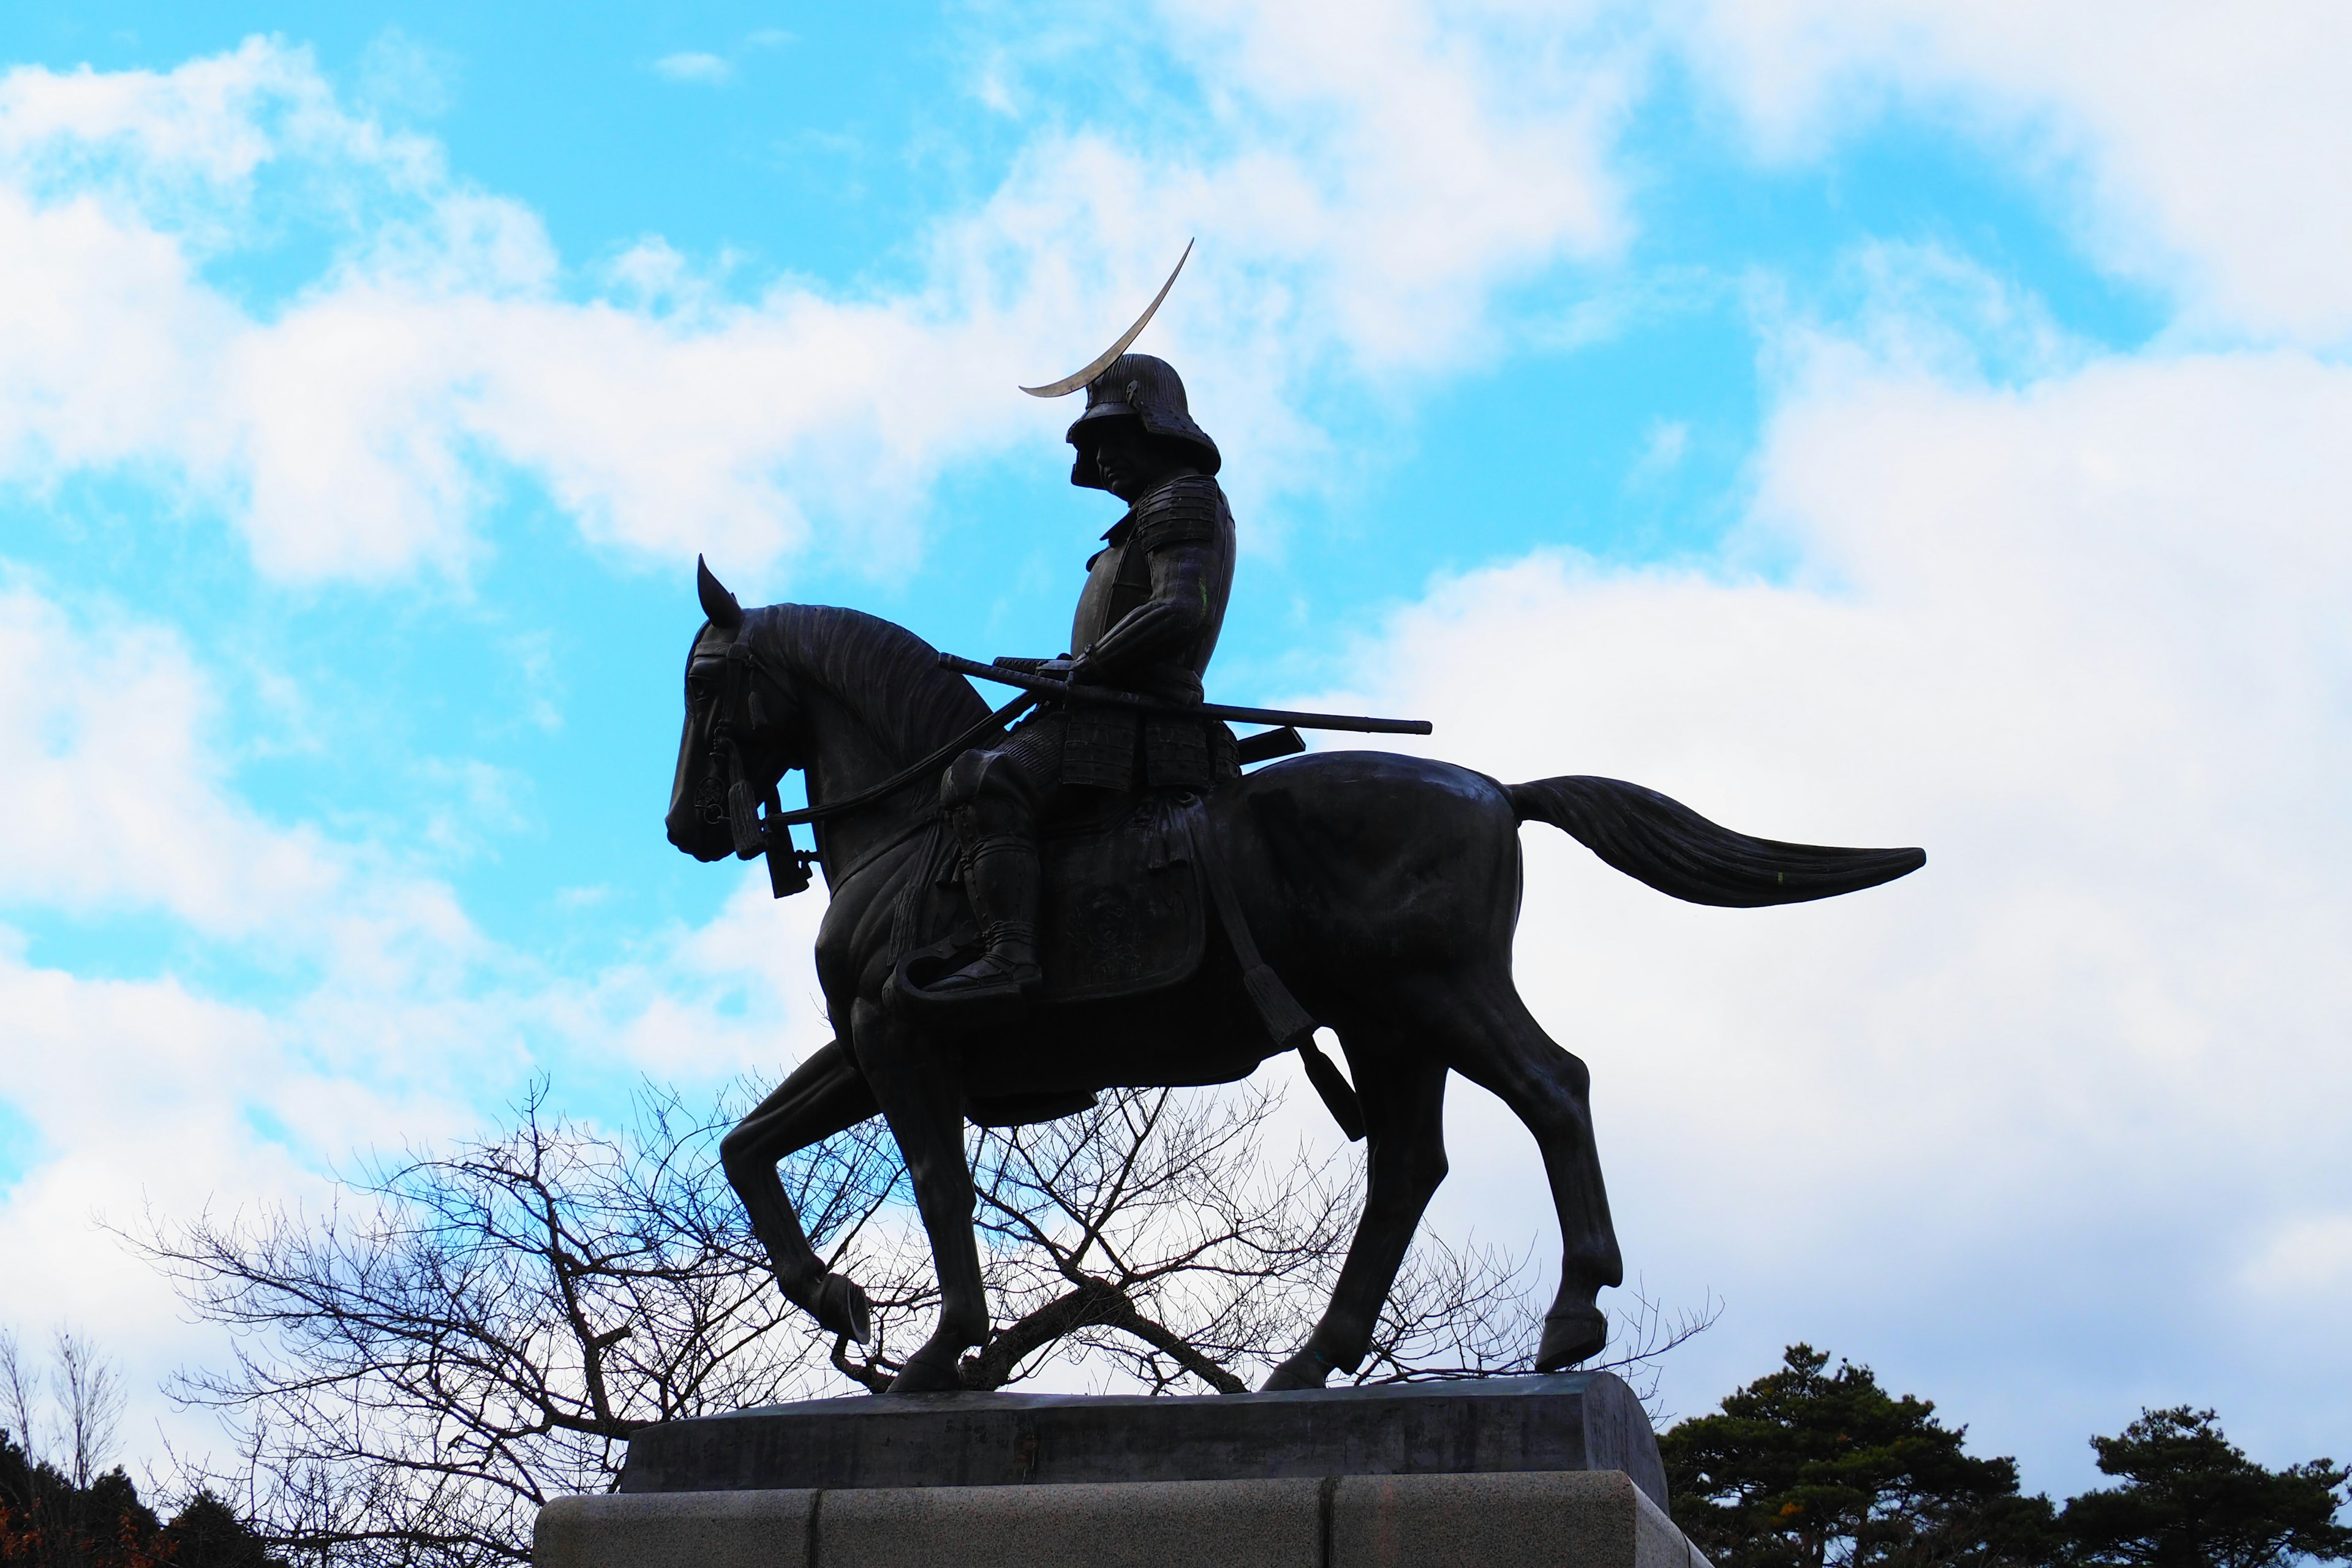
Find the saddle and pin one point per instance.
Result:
(1120, 910)
(1123, 911)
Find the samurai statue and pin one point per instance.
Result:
(1147, 622)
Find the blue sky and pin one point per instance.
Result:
(1910, 423)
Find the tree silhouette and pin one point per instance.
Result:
(473, 1332)
(68, 1512)
(2190, 1498)
(1806, 1467)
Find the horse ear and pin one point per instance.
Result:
(718, 605)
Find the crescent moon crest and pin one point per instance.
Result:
(1071, 382)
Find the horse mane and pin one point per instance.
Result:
(878, 668)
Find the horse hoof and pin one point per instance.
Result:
(928, 1375)
(1570, 1337)
(841, 1308)
(1301, 1371)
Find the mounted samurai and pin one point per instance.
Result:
(1199, 921)
(1147, 622)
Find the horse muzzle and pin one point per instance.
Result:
(687, 832)
(698, 822)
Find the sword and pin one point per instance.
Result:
(1105, 697)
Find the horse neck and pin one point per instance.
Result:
(848, 755)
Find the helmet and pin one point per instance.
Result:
(1146, 388)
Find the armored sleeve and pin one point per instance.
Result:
(1183, 511)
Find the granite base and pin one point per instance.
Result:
(1578, 1518)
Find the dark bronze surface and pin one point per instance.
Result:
(1008, 673)
(1574, 1421)
(1381, 889)
(1366, 892)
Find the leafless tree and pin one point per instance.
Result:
(88, 1393)
(63, 1503)
(467, 1335)
(19, 1393)
(83, 1411)
(471, 1334)
(1158, 1236)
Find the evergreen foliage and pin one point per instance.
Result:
(1807, 1468)
(2192, 1499)
(46, 1521)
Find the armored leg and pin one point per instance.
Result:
(992, 806)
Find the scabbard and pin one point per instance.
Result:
(1106, 696)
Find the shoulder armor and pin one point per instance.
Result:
(1185, 510)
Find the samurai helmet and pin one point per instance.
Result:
(1148, 390)
(1121, 385)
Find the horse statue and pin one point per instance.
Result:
(1381, 889)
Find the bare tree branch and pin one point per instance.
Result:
(465, 1335)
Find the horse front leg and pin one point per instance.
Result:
(824, 1096)
(1405, 1122)
(923, 1103)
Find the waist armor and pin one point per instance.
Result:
(1117, 749)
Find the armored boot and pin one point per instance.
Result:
(1001, 876)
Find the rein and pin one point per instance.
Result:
(771, 836)
(907, 775)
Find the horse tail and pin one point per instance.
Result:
(1675, 850)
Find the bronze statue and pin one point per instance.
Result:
(1147, 622)
(1099, 897)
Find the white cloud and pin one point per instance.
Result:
(360, 429)
(2009, 1126)
(135, 1089)
(2196, 146)
(1408, 158)
(118, 802)
(1362, 183)
(147, 1101)
(709, 70)
(113, 798)
(219, 118)
(146, 1092)
(388, 1018)
(737, 995)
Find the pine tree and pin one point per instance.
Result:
(1807, 1468)
(2190, 1498)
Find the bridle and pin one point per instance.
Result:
(736, 702)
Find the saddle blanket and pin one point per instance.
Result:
(1120, 912)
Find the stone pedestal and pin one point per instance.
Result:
(1527, 1472)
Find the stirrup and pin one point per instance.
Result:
(997, 977)
(976, 999)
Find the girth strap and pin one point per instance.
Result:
(1286, 1021)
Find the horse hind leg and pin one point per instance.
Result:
(1404, 1118)
(1487, 1034)
(824, 1096)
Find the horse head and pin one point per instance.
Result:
(740, 721)
(846, 698)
